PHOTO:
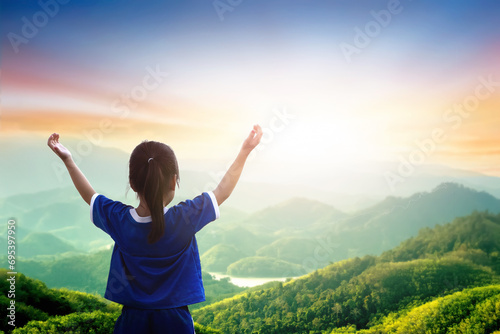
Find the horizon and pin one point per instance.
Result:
(250, 196)
(254, 192)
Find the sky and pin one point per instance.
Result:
(334, 84)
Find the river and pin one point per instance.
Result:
(248, 282)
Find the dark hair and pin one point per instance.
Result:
(151, 167)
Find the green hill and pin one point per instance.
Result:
(475, 237)
(235, 235)
(474, 310)
(82, 272)
(360, 292)
(89, 273)
(297, 215)
(38, 243)
(291, 249)
(261, 266)
(219, 257)
(216, 290)
(444, 280)
(39, 309)
(34, 301)
(351, 292)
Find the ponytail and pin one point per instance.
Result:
(154, 189)
(151, 168)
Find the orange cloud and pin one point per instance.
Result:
(123, 133)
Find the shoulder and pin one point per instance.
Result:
(204, 200)
(102, 204)
(196, 212)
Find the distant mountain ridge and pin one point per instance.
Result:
(349, 189)
(300, 231)
(396, 219)
(39, 243)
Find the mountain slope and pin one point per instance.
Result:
(306, 304)
(475, 237)
(469, 311)
(38, 243)
(388, 223)
(291, 216)
(43, 310)
(219, 257)
(89, 273)
(291, 249)
(261, 266)
(34, 301)
(360, 291)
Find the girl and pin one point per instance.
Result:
(155, 265)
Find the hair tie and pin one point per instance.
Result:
(150, 159)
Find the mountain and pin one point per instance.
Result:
(63, 214)
(255, 236)
(361, 292)
(291, 249)
(82, 272)
(426, 209)
(38, 243)
(261, 266)
(300, 231)
(66, 219)
(49, 174)
(237, 235)
(220, 256)
(383, 226)
(296, 215)
(475, 237)
(313, 234)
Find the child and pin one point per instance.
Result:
(155, 266)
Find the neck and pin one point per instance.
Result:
(143, 210)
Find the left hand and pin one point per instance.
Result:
(58, 148)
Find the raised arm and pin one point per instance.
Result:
(228, 182)
(79, 180)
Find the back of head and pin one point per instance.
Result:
(152, 166)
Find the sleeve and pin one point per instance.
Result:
(102, 212)
(199, 211)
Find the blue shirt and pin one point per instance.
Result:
(162, 275)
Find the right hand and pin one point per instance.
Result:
(253, 139)
(58, 148)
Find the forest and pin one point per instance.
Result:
(444, 280)
(383, 293)
(43, 310)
